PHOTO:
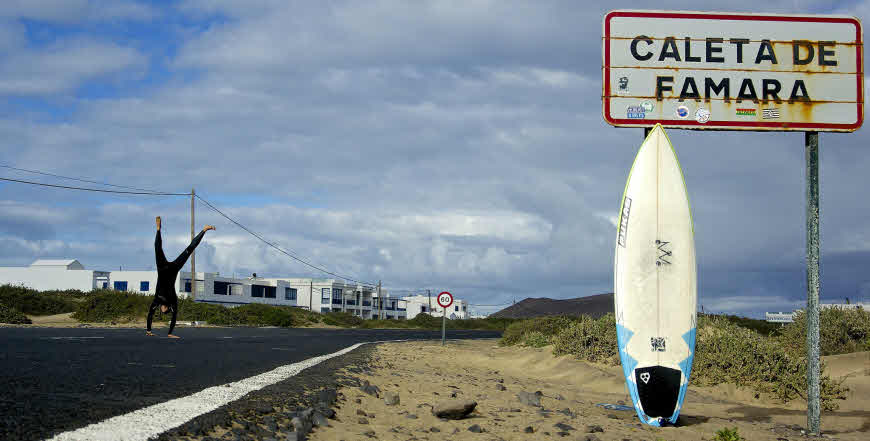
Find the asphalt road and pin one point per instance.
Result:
(58, 379)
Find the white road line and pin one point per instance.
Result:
(70, 338)
(154, 420)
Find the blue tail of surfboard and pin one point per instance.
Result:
(657, 392)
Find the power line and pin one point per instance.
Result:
(278, 248)
(76, 179)
(150, 193)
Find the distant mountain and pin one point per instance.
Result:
(593, 306)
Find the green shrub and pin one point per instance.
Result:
(727, 434)
(386, 324)
(589, 339)
(111, 306)
(343, 319)
(426, 321)
(535, 339)
(841, 331)
(33, 302)
(548, 326)
(12, 316)
(728, 353)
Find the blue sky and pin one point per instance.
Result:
(451, 145)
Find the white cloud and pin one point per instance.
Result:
(72, 11)
(437, 144)
(64, 66)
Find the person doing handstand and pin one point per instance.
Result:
(165, 296)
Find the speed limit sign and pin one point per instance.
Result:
(445, 299)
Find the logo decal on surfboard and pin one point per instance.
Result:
(623, 221)
(657, 344)
(665, 253)
(644, 376)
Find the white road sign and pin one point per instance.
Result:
(702, 70)
(445, 299)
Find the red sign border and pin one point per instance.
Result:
(447, 305)
(738, 125)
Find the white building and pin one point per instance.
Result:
(788, 317)
(47, 275)
(429, 304)
(320, 295)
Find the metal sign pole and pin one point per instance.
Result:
(443, 326)
(813, 392)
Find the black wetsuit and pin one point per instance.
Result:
(167, 272)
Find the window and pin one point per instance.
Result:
(186, 285)
(289, 293)
(325, 296)
(257, 290)
(221, 288)
(324, 310)
(105, 285)
(143, 286)
(336, 296)
(456, 308)
(423, 308)
(268, 292)
(120, 286)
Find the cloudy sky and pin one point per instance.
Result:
(450, 145)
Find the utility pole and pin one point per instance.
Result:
(380, 300)
(311, 295)
(429, 293)
(193, 254)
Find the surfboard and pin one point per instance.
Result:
(655, 279)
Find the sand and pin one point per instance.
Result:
(424, 373)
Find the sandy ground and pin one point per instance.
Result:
(424, 373)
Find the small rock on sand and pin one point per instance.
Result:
(594, 429)
(500, 386)
(454, 409)
(475, 428)
(391, 399)
(362, 420)
(530, 399)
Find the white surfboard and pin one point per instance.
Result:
(655, 282)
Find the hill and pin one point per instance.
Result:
(594, 306)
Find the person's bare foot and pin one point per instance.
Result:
(158, 223)
(173, 336)
(149, 333)
(208, 227)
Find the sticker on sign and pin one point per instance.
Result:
(445, 299)
(745, 71)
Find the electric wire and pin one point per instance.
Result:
(76, 179)
(324, 270)
(99, 190)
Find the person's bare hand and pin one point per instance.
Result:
(208, 227)
(158, 222)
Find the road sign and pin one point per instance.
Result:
(445, 299)
(702, 70)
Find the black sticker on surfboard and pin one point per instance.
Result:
(665, 252)
(658, 389)
(657, 344)
(623, 221)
